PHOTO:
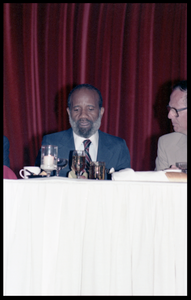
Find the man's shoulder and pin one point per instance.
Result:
(172, 139)
(5, 140)
(112, 142)
(110, 137)
(57, 136)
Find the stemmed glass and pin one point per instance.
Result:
(78, 161)
(49, 154)
(61, 164)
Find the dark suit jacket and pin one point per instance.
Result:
(6, 161)
(111, 149)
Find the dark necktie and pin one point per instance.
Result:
(86, 149)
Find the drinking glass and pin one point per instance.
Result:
(78, 161)
(97, 170)
(61, 164)
(182, 166)
(49, 155)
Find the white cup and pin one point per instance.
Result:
(34, 170)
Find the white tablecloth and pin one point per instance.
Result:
(84, 237)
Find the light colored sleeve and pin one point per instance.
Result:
(161, 161)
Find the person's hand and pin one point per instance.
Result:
(82, 177)
(72, 174)
(173, 167)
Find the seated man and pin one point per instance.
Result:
(172, 147)
(85, 112)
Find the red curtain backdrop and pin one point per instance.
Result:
(132, 52)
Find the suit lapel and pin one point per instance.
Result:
(67, 144)
(104, 152)
(67, 140)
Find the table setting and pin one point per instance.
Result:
(96, 170)
(50, 162)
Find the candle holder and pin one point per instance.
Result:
(49, 155)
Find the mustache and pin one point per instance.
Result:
(84, 120)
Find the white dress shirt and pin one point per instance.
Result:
(78, 142)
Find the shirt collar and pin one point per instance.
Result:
(78, 140)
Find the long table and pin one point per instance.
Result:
(89, 237)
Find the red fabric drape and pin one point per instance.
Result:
(132, 52)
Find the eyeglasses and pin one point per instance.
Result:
(175, 111)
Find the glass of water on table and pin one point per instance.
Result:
(78, 161)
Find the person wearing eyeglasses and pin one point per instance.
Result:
(172, 147)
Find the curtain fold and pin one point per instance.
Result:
(132, 52)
